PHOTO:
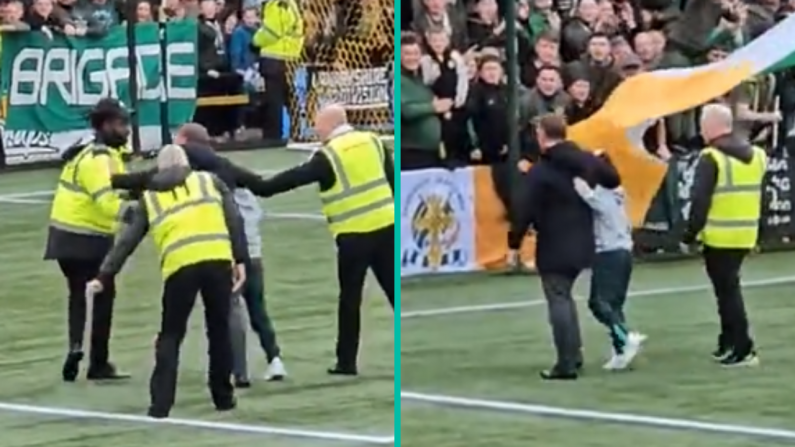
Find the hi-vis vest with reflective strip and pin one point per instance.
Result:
(733, 219)
(361, 200)
(188, 224)
(85, 202)
(281, 35)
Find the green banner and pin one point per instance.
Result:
(50, 85)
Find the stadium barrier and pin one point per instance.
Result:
(347, 60)
(453, 221)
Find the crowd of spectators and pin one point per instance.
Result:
(571, 55)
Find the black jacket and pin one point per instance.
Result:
(705, 179)
(201, 158)
(563, 222)
(137, 221)
(317, 169)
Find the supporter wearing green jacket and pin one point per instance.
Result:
(421, 129)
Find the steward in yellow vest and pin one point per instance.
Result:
(355, 176)
(726, 202)
(281, 34)
(84, 218)
(197, 230)
(280, 39)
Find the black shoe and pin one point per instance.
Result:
(722, 353)
(157, 413)
(71, 366)
(738, 360)
(106, 372)
(338, 370)
(228, 405)
(557, 374)
(242, 382)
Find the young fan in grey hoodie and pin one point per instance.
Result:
(612, 268)
(253, 293)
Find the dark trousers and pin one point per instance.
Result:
(609, 285)
(723, 268)
(219, 120)
(214, 280)
(563, 319)
(254, 298)
(277, 92)
(356, 253)
(78, 272)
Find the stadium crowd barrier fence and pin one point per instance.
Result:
(453, 221)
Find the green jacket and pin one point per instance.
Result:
(420, 126)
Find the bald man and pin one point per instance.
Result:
(725, 208)
(355, 176)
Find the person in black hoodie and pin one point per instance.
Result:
(563, 223)
(725, 208)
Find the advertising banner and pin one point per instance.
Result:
(51, 83)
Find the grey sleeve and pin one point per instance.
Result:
(234, 221)
(130, 236)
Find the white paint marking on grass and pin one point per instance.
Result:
(600, 416)
(191, 423)
(522, 304)
(23, 201)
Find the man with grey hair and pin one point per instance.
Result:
(724, 217)
(195, 226)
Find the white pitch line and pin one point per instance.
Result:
(192, 423)
(522, 304)
(600, 416)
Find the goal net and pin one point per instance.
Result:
(347, 60)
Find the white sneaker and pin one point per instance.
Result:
(631, 350)
(614, 363)
(276, 371)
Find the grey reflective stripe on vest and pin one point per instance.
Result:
(729, 186)
(74, 187)
(345, 183)
(196, 239)
(724, 223)
(341, 217)
(157, 208)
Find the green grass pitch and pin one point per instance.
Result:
(494, 355)
(301, 288)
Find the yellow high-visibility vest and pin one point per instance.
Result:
(188, 224)
(85, 202)
(733, 218)
(281, 35)
(361, 200)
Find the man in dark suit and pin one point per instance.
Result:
(563, 223)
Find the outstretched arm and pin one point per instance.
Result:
(315, 170)
(132, 233)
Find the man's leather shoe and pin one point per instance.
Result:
(339, 370)
(71, 366)
(106, 372)
(157, 413)
(557, 374)
(228, 405)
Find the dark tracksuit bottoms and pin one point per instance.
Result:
(213, 279)
(723, 268)
(78, 272)
(610, 278)
(357, 253)
(253, 296)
